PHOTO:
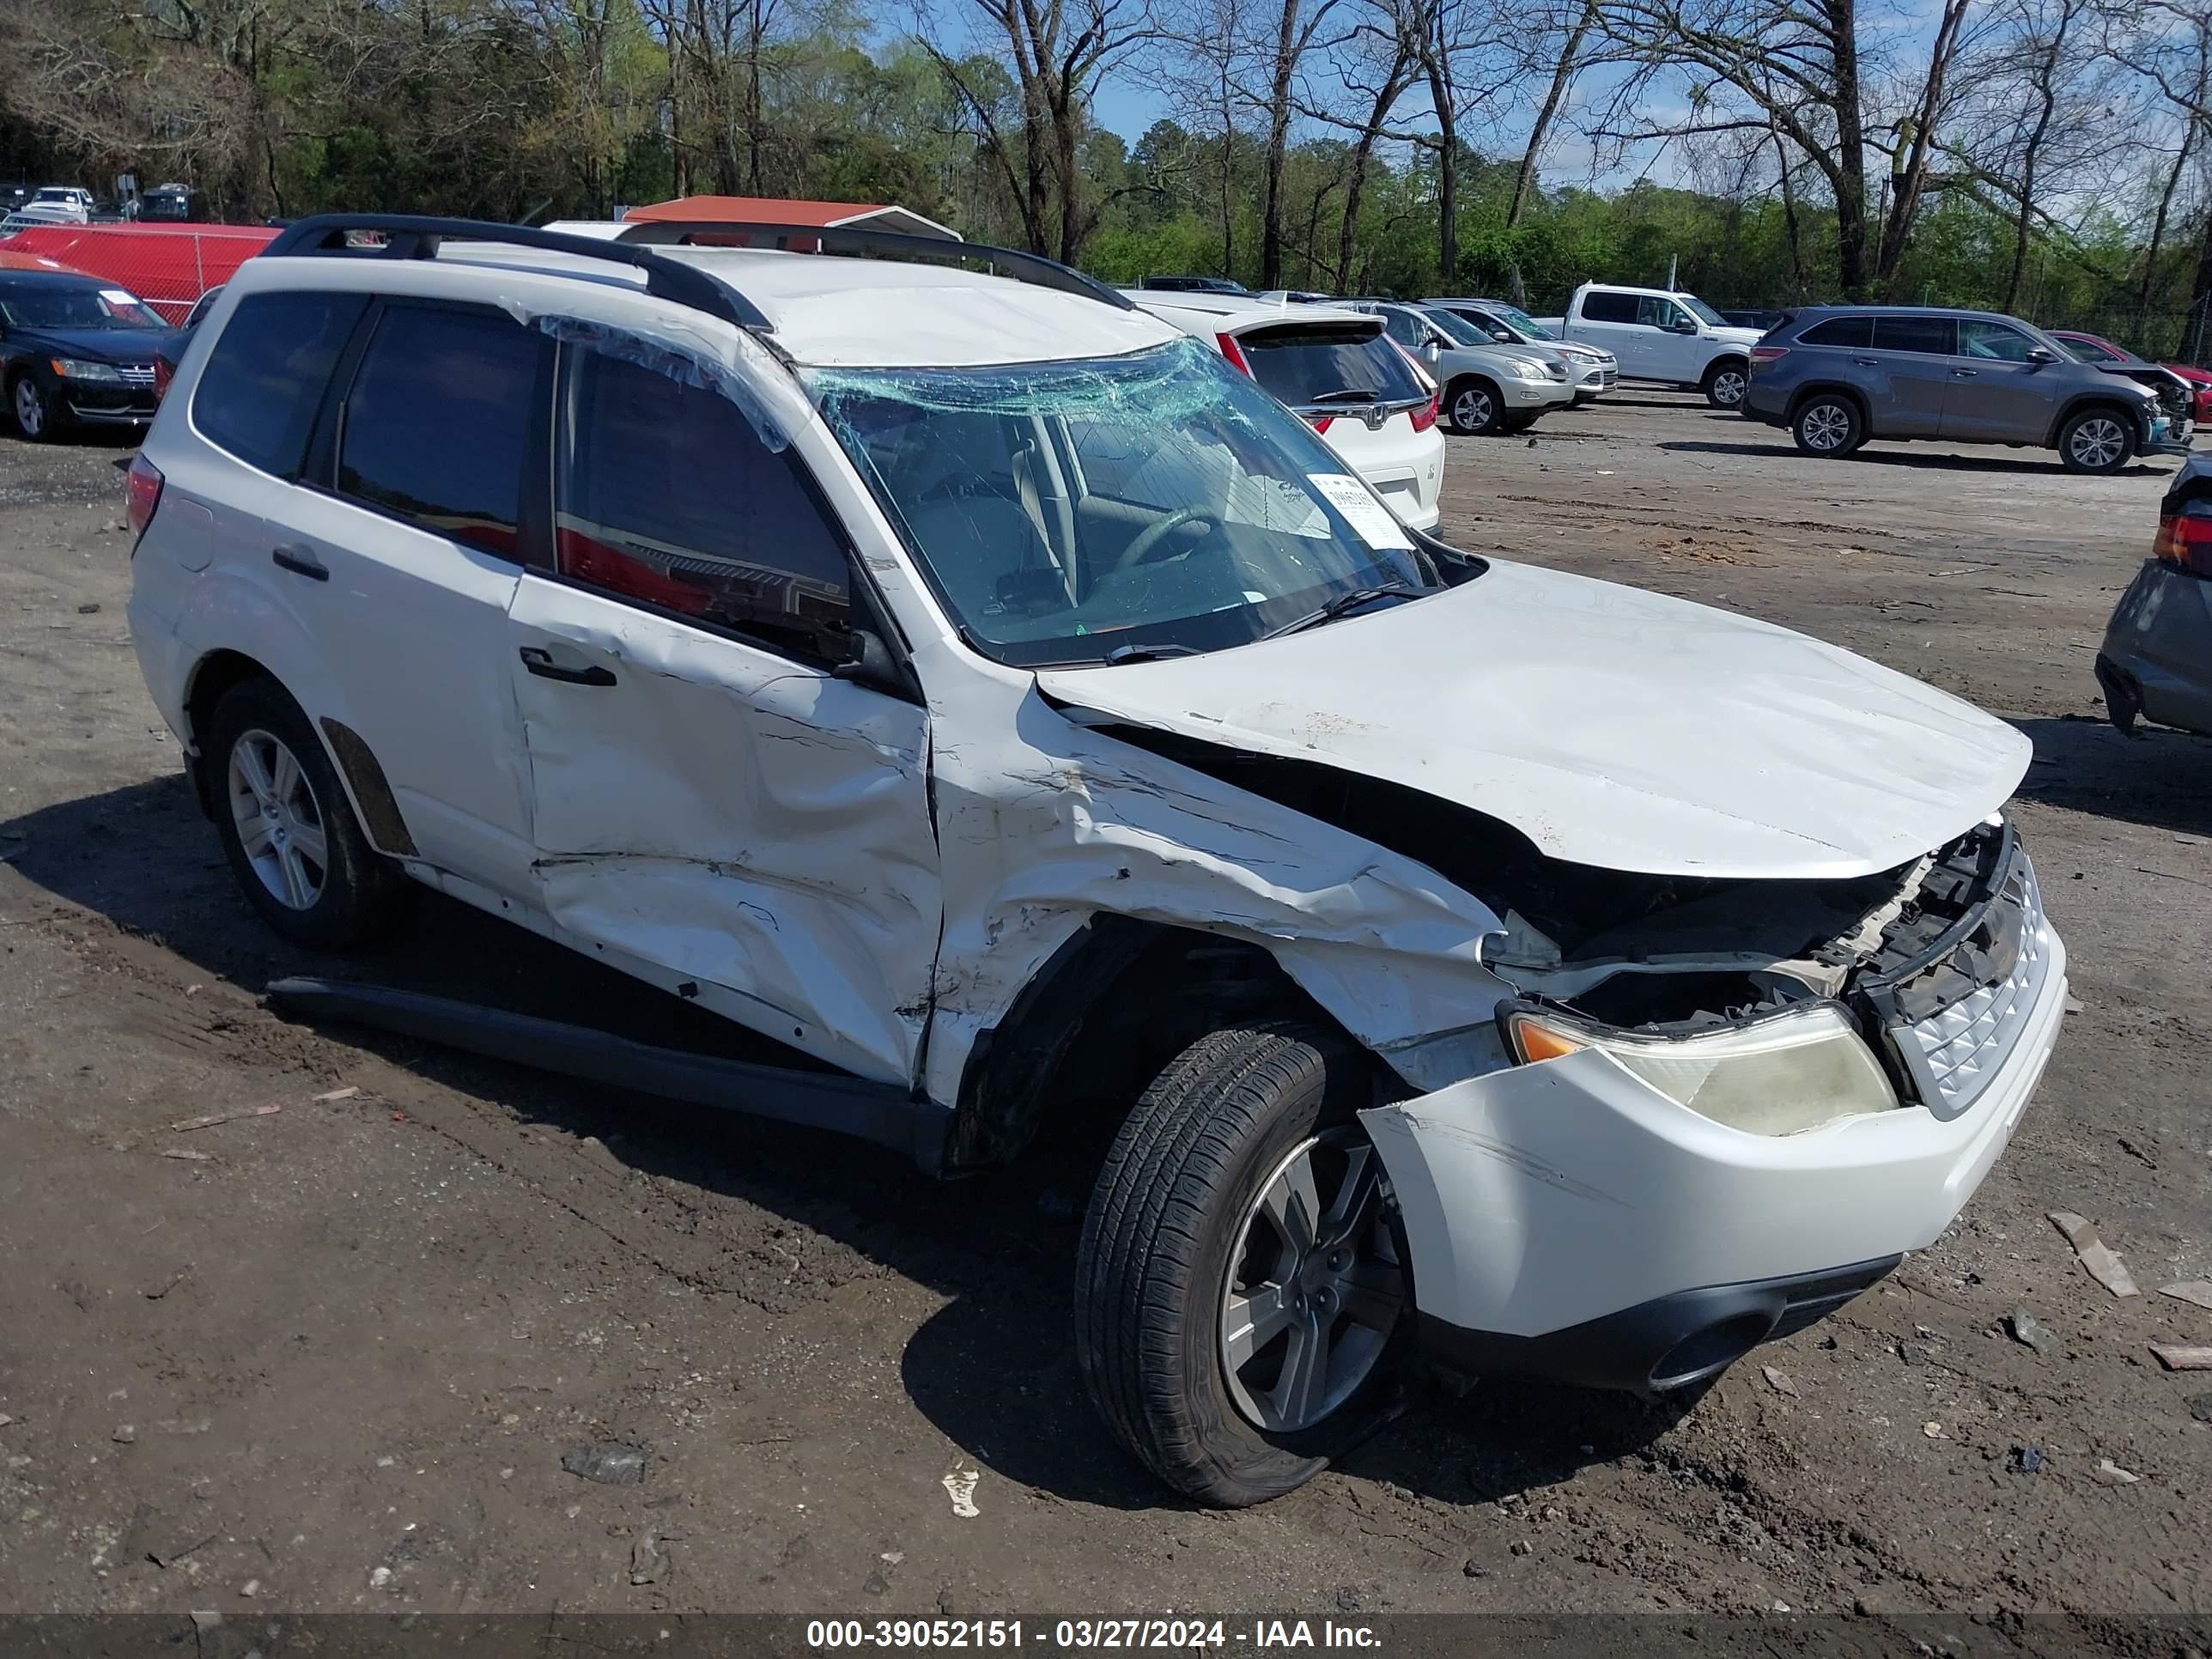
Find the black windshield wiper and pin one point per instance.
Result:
(1121, 654)
(1348, 395)
(1343, 603)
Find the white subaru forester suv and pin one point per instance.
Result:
(981, 688)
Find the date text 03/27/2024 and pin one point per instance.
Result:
(1131, 1635)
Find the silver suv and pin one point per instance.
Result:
(1838, 375)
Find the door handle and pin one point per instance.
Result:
(1867, 363)
(300, 560)
(540, 662)
(1964, 373)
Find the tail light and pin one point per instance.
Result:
(1234, 352)
(1761, 355)
(2185, 540)
(142, 493)
(164, 372)
(1320, 423)
(1425, 417)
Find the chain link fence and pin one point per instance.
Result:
(167, 266)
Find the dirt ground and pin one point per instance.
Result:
(330, 1357)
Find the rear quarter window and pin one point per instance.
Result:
(1305, 365)
(1839, 332)
(264, 378)
(1934, 336)
(1609, 307)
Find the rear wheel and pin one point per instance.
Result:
(2096, 441)
(1241, 1289)
(1828, 425)
(287, 827)
(1474, 406)
(1726, 381)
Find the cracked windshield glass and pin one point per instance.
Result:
(1117, 508)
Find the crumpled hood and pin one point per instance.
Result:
(1611, 726)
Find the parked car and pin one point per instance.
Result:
(1837, 375)
(1674, 338)
(1761, 321)
(2156, 661)
(1337, 371)
(60, 204)
(171, 352)
(982, 688)
(1293, 296)
(75, 350)
(2174, 394)
(2199, 382)
(1592, 370)
(1488, 388)
(169, 204)
(1191, 285)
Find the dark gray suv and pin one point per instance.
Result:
(1837, 375)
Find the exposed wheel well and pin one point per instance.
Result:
(216, 673)
(1714, 367)
(1098, 1022)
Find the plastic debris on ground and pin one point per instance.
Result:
(609, 1463)
(2197, 1290)
(2175, 1358)
(2103, 1263)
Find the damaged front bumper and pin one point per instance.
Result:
(1566, 1219)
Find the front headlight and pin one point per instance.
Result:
(75, 368)
(1522, 370)
(1777, 1076)
(1555, 371)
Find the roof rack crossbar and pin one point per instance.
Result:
(1031, 268)
(409, 236)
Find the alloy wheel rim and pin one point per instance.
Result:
(1826, 426)
(1728, 387)
(279, 822)
(1472, 410)
(1315, 1285)
(30, 413)
(2098, 442)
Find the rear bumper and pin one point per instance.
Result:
(2156, 663)
(1668, 1342)
(1769, 404)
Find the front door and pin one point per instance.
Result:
(709, 799)
(1996, 395)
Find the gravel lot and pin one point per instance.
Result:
(331, 1357)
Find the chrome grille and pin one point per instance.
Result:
(136, 374)
(1955, 1053)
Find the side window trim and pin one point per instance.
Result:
(864, 604)
(534, 518)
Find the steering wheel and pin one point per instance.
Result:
(1146, 540)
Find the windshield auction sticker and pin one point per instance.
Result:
(1374, 523)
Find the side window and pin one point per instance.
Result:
(1932, 336)
(264, 379)
(1601, 306)
(437, 422)
(1406, 328)
(1991, 340)
(1655, 312)
(1840, 331)
(666, 494)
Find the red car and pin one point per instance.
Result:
(2091, 347)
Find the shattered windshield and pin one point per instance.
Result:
(1115, 508)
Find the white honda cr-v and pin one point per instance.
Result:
(981, 688)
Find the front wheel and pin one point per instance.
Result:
(1473, 407)
(32, 408)
(1725, 383)
(1827, 426)
(1240, 1288)
(2096, 441)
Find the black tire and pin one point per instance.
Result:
(2097, 439)
(1828, 425)
(1169, 1225)
(359, 893)
(1726, 380)
(1473, 407)
(33, 408)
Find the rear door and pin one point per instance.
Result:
(1996, 395)
(712, 805)
(403, 553)
(1608, 318)
(1907, 373)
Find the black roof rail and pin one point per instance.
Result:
(409, 236)
(858, 241)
